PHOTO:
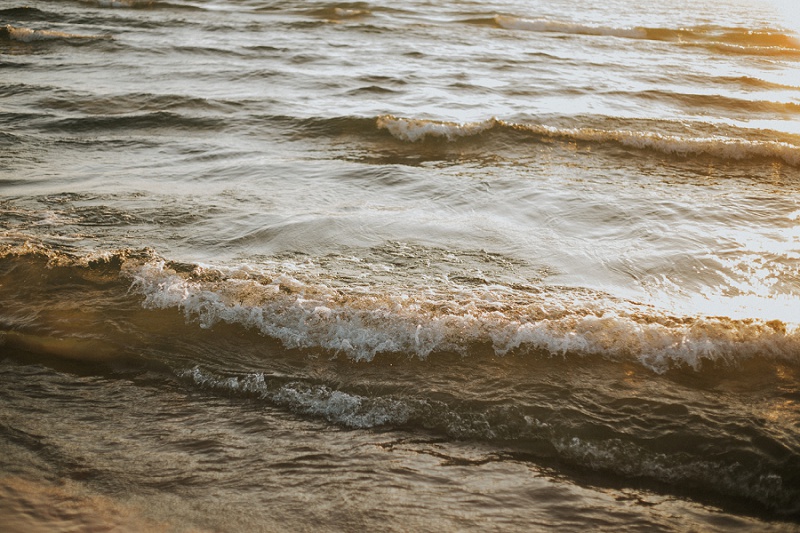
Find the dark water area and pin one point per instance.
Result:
(350, 267)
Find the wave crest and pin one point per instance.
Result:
(414, 130)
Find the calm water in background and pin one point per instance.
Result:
(507, 265)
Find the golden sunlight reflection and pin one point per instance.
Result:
(761, 280)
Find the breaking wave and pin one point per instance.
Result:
(734, 40)
(448, 317)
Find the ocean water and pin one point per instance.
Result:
(432, 266)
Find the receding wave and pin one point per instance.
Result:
(732, 40)
(414, 130)
(619, 456)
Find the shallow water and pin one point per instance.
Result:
(515, 265)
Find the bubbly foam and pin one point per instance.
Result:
(416, 129)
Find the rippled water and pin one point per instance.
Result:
(358, 266)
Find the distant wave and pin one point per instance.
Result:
(704, 102)
(555, 26)
(335, 13)
(732, 40)
(27, 13)
(414, 130)
(28, 35)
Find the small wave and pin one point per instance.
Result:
(124, 3)
(554, 26)
(769, 488)
(417, 129)
(128, 104)
(747, 82)
(339, 407)
(148, 4)
(28, 35)
(705, 102)
(414, 130)
(734, 40)
(738, 49)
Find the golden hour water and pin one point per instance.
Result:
(513, 265)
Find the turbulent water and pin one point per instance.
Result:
(430, 266)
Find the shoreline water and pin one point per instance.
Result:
(517, 265)
(353, 479)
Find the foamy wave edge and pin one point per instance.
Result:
(362, 324)
(413, 130)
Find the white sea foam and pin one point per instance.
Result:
(416, 129)
(362, 324)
